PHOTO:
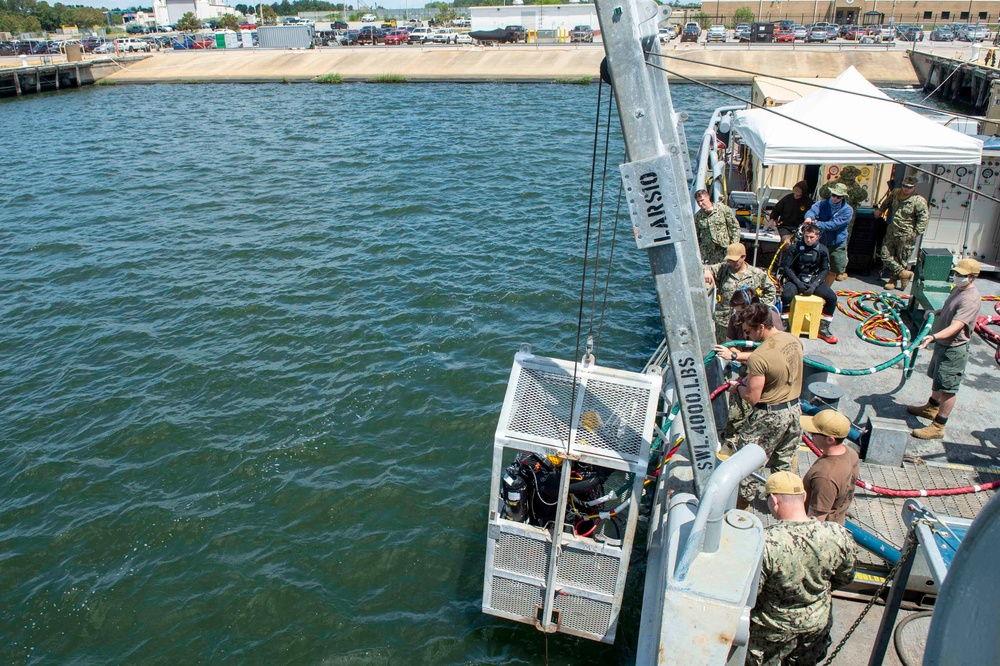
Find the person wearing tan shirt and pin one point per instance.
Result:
(830, 480)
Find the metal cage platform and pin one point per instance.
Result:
(549, 575)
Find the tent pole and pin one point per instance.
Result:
(968, 211)
(760, 205)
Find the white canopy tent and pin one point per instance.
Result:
(884, 126)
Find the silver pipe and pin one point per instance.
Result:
(706, 531)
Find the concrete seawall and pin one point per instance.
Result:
(479, 64)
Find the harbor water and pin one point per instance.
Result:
(253, 345)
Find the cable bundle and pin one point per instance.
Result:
(877, 312)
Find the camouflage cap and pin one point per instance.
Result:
(910, 181)
(783, 483)
(838, 189)
(850, 173)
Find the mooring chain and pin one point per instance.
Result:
(911, 544)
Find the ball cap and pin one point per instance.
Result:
(735, 251)
(967, 267)
(910, 181)
(783, 483)
(838, 189)
(829, 422)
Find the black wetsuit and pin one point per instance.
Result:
(805, 269)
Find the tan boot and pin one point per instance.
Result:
(890, 284)
(927, 411)
(841, 277)
(904, 279)
(934, 431)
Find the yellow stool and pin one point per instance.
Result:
(805, 316)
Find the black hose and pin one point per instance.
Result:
(897, 641)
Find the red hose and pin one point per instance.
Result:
(893, 492)
(992, 337)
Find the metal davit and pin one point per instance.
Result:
(569, 462)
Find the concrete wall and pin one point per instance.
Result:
(474, 64)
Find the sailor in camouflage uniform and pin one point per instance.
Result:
(717, 228)
(907, 220)
(773, 386)
(855, 195)
(731, 276)
(804, 561)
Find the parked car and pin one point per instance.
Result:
(716, 33)
(369, 34)
(582, 33)
(106, 47)
(942, 34)
(784, 36)
(396, 37)
(444, 36)
(420, 35)
(832, 31)
(464, 38)
(973, 33)
(691, 33)
(88, 44)
(368, 18)
(667, 34)
(349, 38)
(854, 32)
(800, 32)
(818, 34)
(339, 25)
(887, 31)
(909, 33)
(128, 45)
(519, 32)
(742, 32)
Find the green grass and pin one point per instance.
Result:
(106, 82)
(332, 77)
(581, 81)
(388, 78)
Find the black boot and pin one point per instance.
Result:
(825, 334)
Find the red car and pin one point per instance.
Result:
(784, 36)
(397, 37)
(854, 33)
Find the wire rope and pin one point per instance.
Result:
(813, 84)
(600, 218)
(586, 252)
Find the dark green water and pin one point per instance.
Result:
(253, 344)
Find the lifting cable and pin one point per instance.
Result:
(586, 254)
(600, 228)
(823, 131)
(813, 84)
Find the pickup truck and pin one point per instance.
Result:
(518, 33)
(126, 45)
(444, 36)
(420, 35)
